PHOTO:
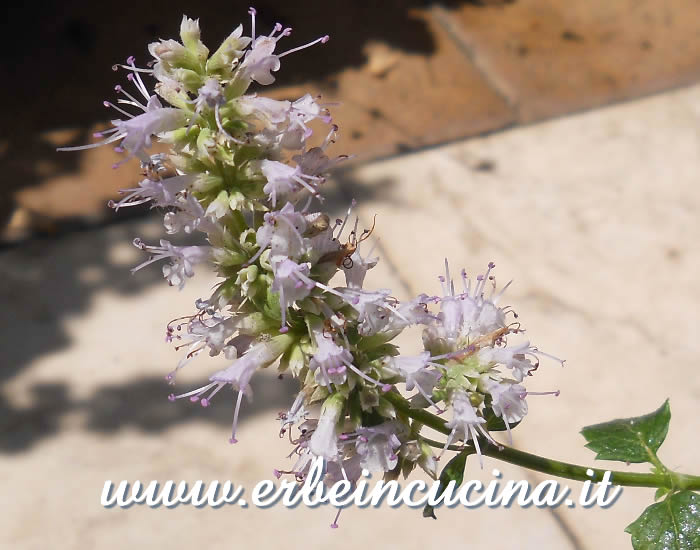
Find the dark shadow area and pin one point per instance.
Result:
(46, 281)
(43, 284)
(58, 57)
(347, 187)
(20, 427)
(50, 231)
(140, 403)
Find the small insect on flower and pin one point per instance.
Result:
(342, 256)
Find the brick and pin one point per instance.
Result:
(556, 56)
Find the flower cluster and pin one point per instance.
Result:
(291, 291)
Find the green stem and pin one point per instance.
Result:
(668, 479)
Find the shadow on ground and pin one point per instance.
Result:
(57, 61)
(141, 403)
(46, 282)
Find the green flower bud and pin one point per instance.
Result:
(189, 34)
(230, 51)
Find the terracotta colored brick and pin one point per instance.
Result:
(398, 101)
(54, 191)
(556, 56)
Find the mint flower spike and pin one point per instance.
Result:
(248, 176)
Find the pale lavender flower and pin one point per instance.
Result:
(356, 266)
(260, 61)
(378, 445)
(238, 377)
(466, 424)
(269, 111)
(297, 413)
(217, 331)
(508, 401)
(513, 357)
(211, 95)
(160, 192)
(329, 360)
(292, 283)
(189, 217)
(282, 232)
(183, 259)
(414, 312)
(465, 317)
(283, 180)
(315, 161)
(374, 311)
(301, 112)
(324, 441)
(348, 469)
(414, 370)
(136, 131)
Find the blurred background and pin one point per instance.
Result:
(558, 139)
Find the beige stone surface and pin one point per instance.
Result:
(595, 217)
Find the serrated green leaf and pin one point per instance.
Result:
(673, 524)
(629, 439)
(454, 471)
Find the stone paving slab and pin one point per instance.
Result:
(84, 400)
(421, 100)
(553, 56)
(594, 216)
